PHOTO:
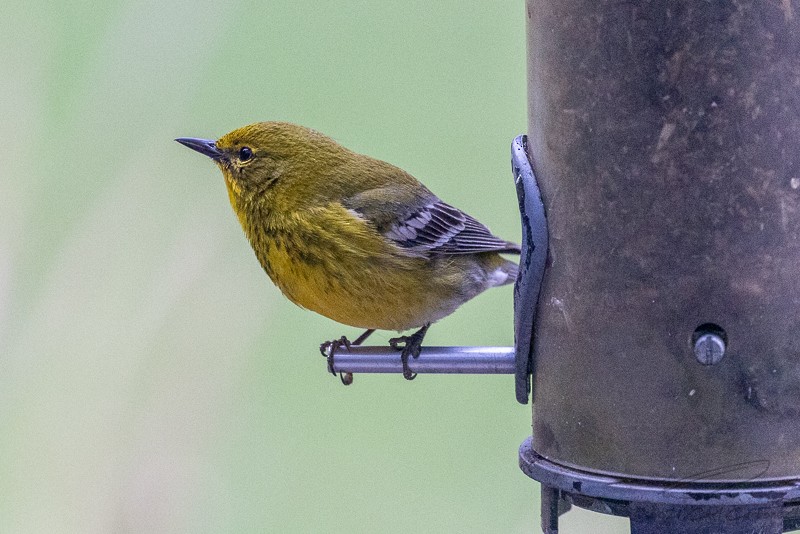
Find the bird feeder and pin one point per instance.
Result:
(666, 350)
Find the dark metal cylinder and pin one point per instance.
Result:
(665, 137)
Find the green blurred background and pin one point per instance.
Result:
(151, 377)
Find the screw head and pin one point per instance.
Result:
(709, 349)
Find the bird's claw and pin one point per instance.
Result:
(328, 350)
(410, 346)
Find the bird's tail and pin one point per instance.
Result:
(502, 272)
(513, 272)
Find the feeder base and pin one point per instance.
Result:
(656, 507)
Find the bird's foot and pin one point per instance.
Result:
(328, 350)
(410, 346)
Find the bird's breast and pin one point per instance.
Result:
(340, 267)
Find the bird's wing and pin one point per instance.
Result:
(441, 228)
(424, 224)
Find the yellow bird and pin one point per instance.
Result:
(351, 237)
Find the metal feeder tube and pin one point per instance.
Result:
(665, 136)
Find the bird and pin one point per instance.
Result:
(351, 237)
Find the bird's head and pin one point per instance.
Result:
(262, 158)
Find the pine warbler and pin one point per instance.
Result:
(353, 238)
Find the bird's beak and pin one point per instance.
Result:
(204, 146)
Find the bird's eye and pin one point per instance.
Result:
(245, 153)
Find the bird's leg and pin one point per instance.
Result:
(411, 346)
(363, 337)
(329, 348)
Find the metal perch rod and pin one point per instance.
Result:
(444, 360)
